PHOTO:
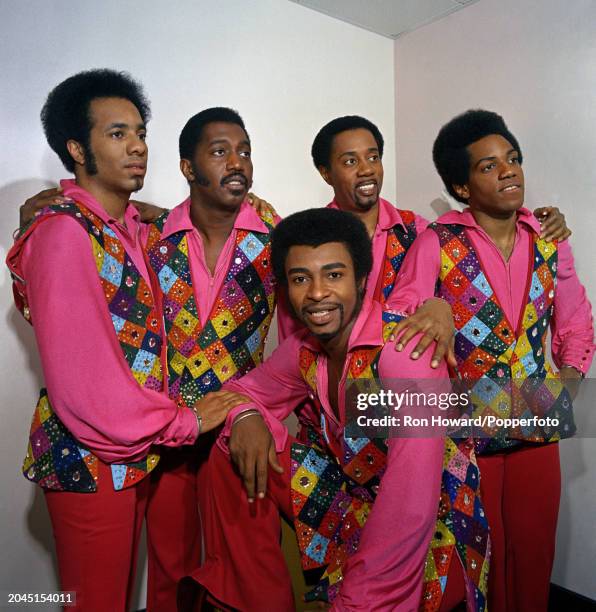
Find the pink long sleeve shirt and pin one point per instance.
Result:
(388, 217)
(210, 284)
(571, 325)
(89, 382)
(386, 573)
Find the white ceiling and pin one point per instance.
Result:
(390, 18)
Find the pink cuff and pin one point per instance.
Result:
(277, 429)
(183, 430)
(580, 359)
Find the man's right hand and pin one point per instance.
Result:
(252, 447)
(148, 212)
(44, 198)
(214, 407)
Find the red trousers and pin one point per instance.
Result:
(97, 540)
(244, 567)
(173, 526)
(521, 490)
(97, 536)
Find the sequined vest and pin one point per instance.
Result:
(202, 358)
(333, 490)
(399, 240)
(55, 459)
(506, 366)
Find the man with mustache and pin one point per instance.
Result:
(81, 278)
(211, 258)
(348, 154)
(364, 509)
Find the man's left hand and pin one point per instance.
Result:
(260, 205)
(552, 223)
(435, 320)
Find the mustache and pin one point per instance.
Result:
(324, 306)
(236, 176)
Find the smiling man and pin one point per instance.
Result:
(81, 279)
(507, 287)
(348, 154)
(367, 530)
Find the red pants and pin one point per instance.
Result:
(97, 539)
(521, 491)
(244, 567)
(97, 535)
(173, 526)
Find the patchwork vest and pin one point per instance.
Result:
(399, 240)
(202, 358)
(55, 459)
(506, 365)
(334, 488)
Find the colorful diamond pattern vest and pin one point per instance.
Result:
(202, 358)
(333, 490)
(514, 380)
(399, 241)
(55, 459)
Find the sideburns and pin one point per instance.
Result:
(200, 179)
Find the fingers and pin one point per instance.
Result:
(441, 350)
(248, 476)
(553, 225)
(410, 331)
(33, 205)
(261, 465)
(395, 333)
(260, 205)
(273, 462)
(427, 339)
(451, 359)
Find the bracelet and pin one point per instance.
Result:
(199, 421)
(568, 365)
(245, 415)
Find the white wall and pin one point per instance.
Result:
(534, 62)
(288, 70)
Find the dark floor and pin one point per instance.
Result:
(561, 600)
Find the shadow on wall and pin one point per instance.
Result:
(439, 206)
(36, 520)
(12, 196)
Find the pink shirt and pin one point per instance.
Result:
(386, 573)
(89, 382)
(388, 217)
(571, 325)
(210, 284)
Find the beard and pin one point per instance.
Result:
(326, 336)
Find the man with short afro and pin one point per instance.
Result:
(81, 278)
(507, 287)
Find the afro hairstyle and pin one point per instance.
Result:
(450, 153)
(65, 115)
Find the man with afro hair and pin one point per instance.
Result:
(507, 286)
(369, 533)
(81, 279)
